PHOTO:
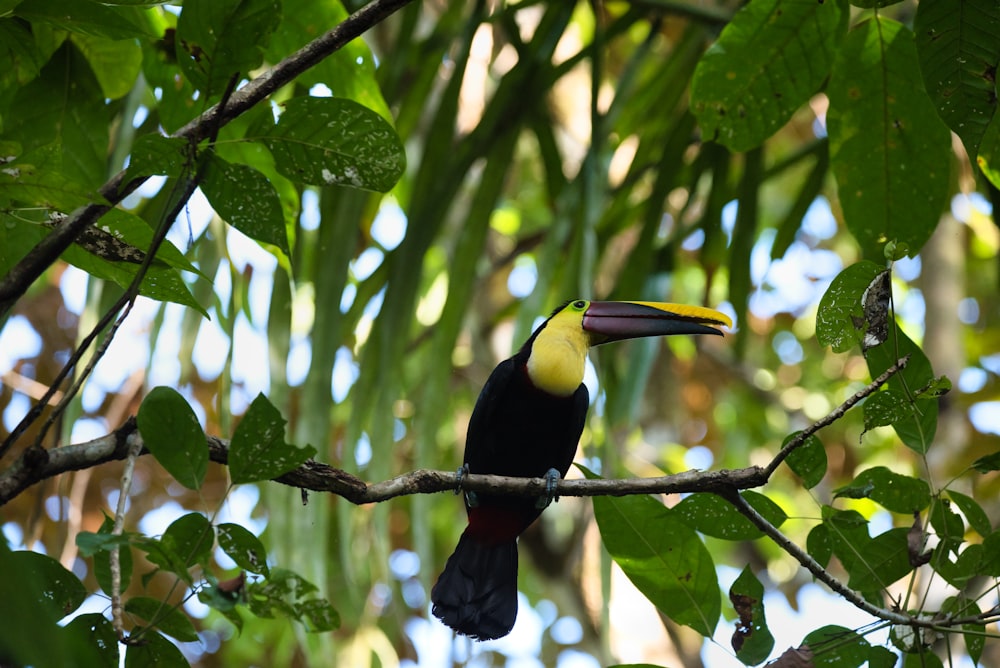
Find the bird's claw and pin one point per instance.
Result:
(471, 500)
(551, 478)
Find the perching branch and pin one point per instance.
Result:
(39, 258)
(37, 464)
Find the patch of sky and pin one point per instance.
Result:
(299, 359)
(211, 349)
(907, 269)
(389, 227)
(156, 521)
(365, 264)
(250, 354)
(566, 631)
(149, 188)
(985, 417)
(320, 90)
(192, 221)
(793, 282)
(404, 564)
(525, 640)
(693, 241)
(18, 340)
(345, 374)
(73, 287)
(140, 115)
(165, 365)
(398, 430)
(590, 380)
(788, 348)
(347, 297)
(413, 593)
(574, 658)
(16, 409)
(991, 363)
(363, 451)
(87, 429)
(968, 311)
(728, 218)
(699, 457)
(963, 206)
(129, 351)
(523, 277)
(913, 309)
(310, 218)
(972, 379)
(819, 221)
(14, 534)
(54, 506)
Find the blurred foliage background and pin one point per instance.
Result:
(552, 153)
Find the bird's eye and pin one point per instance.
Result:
(579, 304)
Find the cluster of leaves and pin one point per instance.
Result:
(185, 552)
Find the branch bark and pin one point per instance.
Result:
(31, 266)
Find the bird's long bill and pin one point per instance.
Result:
(614, 321)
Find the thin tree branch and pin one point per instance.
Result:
(836, 414)
(114, 558)
(39, 258)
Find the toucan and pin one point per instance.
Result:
(527, 423)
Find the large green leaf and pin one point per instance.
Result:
(808, 461)
(61, 592)
(840, 318)
(712, 515)
(898, 493)
(63, 110)
(327, 141)
(836, 647)
(752, 640)
(768, 61)
(243, 547)
(958, 42)
(191, 537)
(258, 450)
(884, 560)
(88, 18)
(171, 432)
(154, 650)
(219, 38)
(918, 428)
(163, 616)
(663, 557)
(889, 150)
(115, 62)
(245, 199)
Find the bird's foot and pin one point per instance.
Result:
(551, 478)
(471, 500)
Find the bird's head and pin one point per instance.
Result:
(558, 348)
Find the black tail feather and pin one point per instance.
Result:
(476, 595)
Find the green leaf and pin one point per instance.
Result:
(714, 516)
(191, 538)
(752, 640)
(258, 450)
(317, 615)
(973, 512)
(663, 557)
(881, 657)
(97, 631)
(889, 151)
(327, 141)
(163, 555)
(916, 430)
(840, 317)
(280, 592)
(884, 560)
(87, 18)
(243, 547)
(947, 524)
(61, 592)
(968, 565)
(884, 408)
(99, 545)
(245, 199)
(959, 48)
(987, 463)
(769, 60)
(895, 492)
(116, 63)
(62, 116)
(988, 158)
(808, 461)
(991, 555)
(156, 154)
(836, 647)
(155, 650)
(171, 432)
(219, 38)
(167, 618)
(819, 545)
